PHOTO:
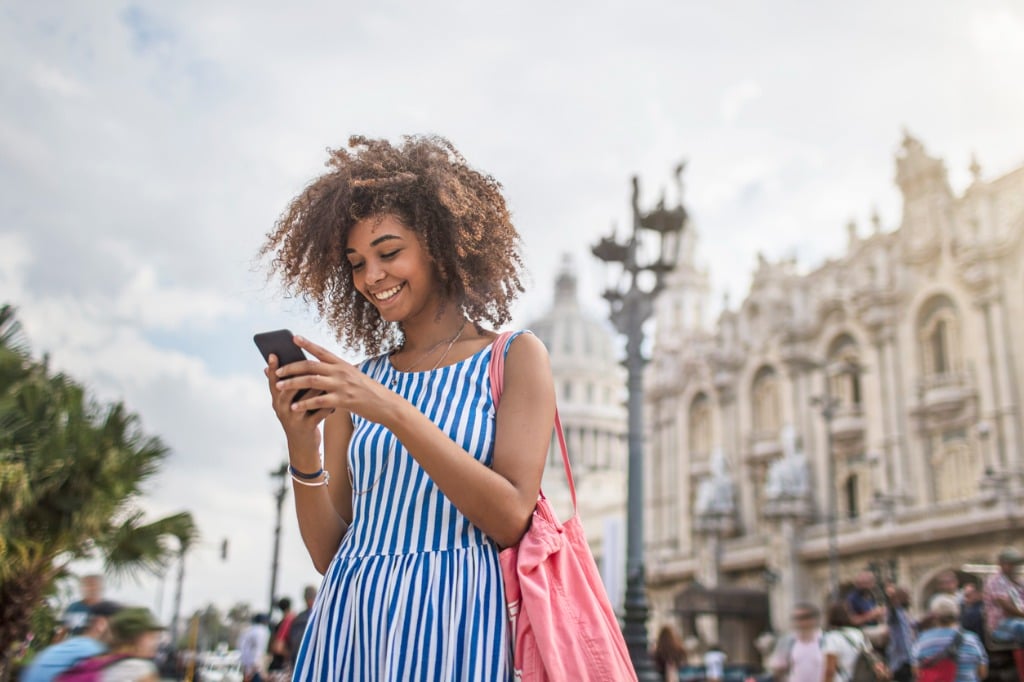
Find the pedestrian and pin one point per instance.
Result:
(842, 644)
(669, 654)
(136, 637)
(972, 611)
(407, 253)
(798, 656)
(1004, 599)
(901, 634)
(280, 656)
(298, 626)
(714, 663)
(59, 657)
(971, 661)
(77, 613)
(252, 648)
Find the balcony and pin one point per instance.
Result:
(945, 394)
(848, 423)
(764, 445)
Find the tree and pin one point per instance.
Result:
(71, 473)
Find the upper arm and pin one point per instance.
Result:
(525, 415)
(337, 434)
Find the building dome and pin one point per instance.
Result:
(573, 338)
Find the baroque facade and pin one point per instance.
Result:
(882, 389)
(590, 387)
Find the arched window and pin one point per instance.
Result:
(767, 417)
(939, 336)
(844, 372)
(700, 427)
(852, 489)
(956, 472)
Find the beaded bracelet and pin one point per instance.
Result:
(301, 474)
(326, 479)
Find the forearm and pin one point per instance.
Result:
(489, 500)
(320, 524)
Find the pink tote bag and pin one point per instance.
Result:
(561, 621)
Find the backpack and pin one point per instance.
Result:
(865, 666)
(90, 669)
(942, 666)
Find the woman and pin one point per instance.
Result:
(406, 247)
(669, 654)
(944, 638)
(136, 637)
(842, 643)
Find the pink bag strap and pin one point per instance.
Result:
(497, 374)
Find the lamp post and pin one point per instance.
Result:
(279, 495)
(641, 278)
(828, 404)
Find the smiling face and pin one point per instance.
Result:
(392, 270)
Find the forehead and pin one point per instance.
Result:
(369, 230)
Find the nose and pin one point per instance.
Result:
(374, 272)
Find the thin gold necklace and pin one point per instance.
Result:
(394, 382)
(451, 344)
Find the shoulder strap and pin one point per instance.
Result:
(496, 371)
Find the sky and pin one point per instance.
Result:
(147, 148)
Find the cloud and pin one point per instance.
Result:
(737, 98)
(998, 31)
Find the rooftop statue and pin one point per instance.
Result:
(715, 493)
(788, 475)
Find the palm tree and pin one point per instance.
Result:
(71, 471)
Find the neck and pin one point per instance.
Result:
(421, 336)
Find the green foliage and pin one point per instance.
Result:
(71, 472)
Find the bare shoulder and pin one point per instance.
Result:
(527, 349)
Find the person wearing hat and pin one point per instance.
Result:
(1004, 599)
(136, 636)
(55, 659)
(945, 637)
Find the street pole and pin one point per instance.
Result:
(631, 306)
(828, 411)
(279, 496)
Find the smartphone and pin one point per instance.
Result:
(281, 343)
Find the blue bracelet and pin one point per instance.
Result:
(299, 474)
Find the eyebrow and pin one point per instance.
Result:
(375, 242)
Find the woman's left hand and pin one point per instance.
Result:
(333, 383)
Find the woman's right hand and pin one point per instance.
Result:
(300, 428)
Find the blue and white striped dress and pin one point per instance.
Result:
(414, 592)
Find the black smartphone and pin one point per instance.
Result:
(281, 343)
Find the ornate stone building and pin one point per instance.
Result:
(590, 386)
(912, 338)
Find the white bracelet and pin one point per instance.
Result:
(324, 481)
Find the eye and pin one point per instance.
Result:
(390, 254)
(356, 266)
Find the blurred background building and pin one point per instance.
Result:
(590, 386)
(883, 386)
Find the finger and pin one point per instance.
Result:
(313, 402)
(301, 367)
(319, 352)
(292, 384)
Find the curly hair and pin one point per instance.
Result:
(457, 213)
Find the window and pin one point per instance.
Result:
(700, 426)
(767, 417)
(852, 496)
(939, 337)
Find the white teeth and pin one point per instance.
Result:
(387, 294)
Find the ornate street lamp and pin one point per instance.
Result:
(644, 260)
(281, 473)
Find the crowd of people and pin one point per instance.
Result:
(876, 621)
(948, 641)
(105, 641)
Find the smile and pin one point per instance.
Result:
(388, 293)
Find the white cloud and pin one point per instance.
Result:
(998, 32)
(737, 98)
